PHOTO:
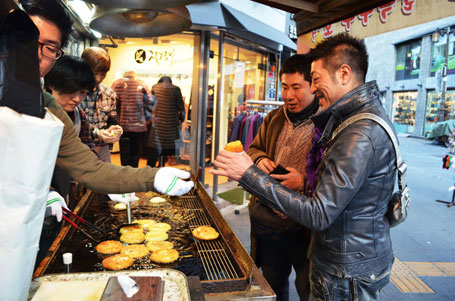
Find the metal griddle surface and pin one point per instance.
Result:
(101, 212)
(212, 261)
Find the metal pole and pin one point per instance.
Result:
(219, 95)
(442, 106)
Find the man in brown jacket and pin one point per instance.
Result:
(277, 242)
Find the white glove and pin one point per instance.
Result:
(167, 181)
(124, 197)
(55, 202)
(117, 129)
(108, 136)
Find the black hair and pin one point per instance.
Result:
(298, 63)
(70, 74)
(53, 11)
(166, 79)
(343, 49)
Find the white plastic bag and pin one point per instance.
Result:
(28, 151)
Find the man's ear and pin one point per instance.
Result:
(344, 74)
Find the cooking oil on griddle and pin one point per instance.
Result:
(101, 212)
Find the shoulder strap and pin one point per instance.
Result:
(400, 164)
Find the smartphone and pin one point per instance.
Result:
(279, 170)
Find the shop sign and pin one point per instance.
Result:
(271, 91)
(372, 17)
(272, 94)
(142, 56)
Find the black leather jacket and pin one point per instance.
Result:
(356, 180)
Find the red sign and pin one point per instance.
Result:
(385, 10)
(347, 23)
(407, 6)
(313, 35)
(365, 17)
(328, 31)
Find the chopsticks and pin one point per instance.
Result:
(82, 221)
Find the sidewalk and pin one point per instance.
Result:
(424, 245)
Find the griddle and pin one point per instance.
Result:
(222, 265)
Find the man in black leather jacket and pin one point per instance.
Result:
(351, 250)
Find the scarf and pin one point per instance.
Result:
(302, 116)
(314, 157)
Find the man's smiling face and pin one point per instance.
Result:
(295, 91)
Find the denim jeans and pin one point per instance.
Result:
(359, 288)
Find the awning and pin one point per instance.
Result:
(221, 15)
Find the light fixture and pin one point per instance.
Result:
(137, 23)
(142, 4)
(138, 17)
(435, 36)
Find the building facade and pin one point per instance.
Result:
(405, 62)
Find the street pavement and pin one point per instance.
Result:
(424, 245)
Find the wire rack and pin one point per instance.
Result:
(216, 262)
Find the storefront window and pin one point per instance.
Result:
(433, 102)
(404, 108)
(243, 79)
(153, 58)
(408, 60)
(438, 55)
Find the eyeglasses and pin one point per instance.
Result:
(50, 51)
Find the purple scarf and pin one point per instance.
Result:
(313, 159)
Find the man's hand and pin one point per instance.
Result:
(292, 180)
(111, 135)
(54, 204)
(167, 181)
(107, 137)
(266, 165)
(233, 165)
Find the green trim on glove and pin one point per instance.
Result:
(51, 201)
(173, 182)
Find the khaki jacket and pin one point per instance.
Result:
(76, 159)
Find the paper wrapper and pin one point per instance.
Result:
(28, 152)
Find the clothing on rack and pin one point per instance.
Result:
(246, 125)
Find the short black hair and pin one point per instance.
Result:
(343, 49)
(165, 79)
(53, 11)
(70, 74)
(298, 63)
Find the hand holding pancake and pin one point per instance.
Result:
(168, 181)
(233, 165)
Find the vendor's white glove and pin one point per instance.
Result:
(108, 136)
(167, 181)
(124, 197)
(55, 202)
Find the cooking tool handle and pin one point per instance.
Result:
(128, 212)
(79, 228)
(198, 174)
(85, 222)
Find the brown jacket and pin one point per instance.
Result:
(76, 159)
(263, 220)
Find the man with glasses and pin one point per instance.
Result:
(75, 158)
(50, 51)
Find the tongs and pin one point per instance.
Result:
(83, 221)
